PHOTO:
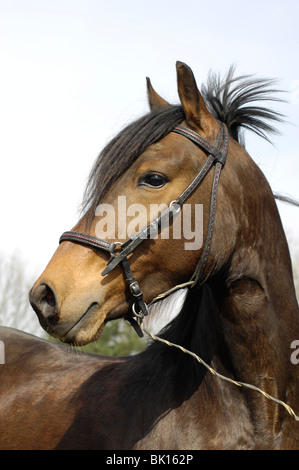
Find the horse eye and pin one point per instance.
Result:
(154, 180)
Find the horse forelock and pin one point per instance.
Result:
(125, 148)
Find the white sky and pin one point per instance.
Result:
(73, 73)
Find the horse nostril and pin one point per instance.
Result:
(43, 301)
(49, 297)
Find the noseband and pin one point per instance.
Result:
(120, 251)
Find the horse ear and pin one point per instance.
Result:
(197, 115)
(155, 100)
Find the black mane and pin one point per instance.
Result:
(196, 320)
(226, 100)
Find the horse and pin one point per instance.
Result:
(228, 300)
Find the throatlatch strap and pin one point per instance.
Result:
(197, 181)
(198, 274)
(218, 158)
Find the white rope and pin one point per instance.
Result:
(170, 291)
(223, 377)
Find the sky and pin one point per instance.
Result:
(73, 74)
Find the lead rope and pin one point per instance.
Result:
(223, 377)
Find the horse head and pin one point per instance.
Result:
(142, 171)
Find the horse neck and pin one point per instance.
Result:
(259, 280)
(257, 303)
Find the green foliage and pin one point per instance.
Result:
(117, 339)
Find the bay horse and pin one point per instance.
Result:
(231, 300)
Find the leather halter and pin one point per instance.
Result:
(119, 251)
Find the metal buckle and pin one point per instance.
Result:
(135, 289)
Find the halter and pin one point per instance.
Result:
(120, 251)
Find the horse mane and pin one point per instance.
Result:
(287, 199)
(195, 328)
(227, 101)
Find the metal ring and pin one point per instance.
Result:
(114, 246)
(139, 315)
(173, 202)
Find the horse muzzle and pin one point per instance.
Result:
(64, 323)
